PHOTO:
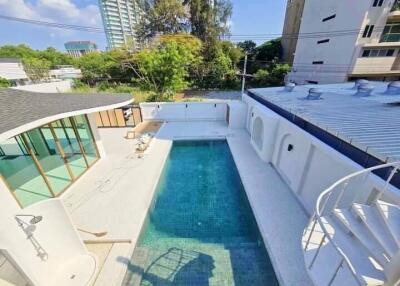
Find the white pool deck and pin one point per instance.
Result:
(115, 194)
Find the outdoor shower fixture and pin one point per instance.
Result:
(29, 228)
(34, 219)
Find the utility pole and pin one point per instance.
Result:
(244, 73)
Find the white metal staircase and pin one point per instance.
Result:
(353, 238)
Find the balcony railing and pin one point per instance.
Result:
(390, 37)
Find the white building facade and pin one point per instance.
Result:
(119, 19)
(13, 70)
(341, 40)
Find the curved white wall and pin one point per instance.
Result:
(55, 237)
(309, 166)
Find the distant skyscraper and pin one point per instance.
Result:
(119, 19)
(80, 48)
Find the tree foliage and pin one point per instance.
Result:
(4, 82)
(248, 47)
(96, 67)
(209, 20)
(271, 50)
(36, 68)
(164, 68)
(164, 17)
(36, 63)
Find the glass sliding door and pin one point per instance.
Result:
(72, 146)
(50, 159)
(43, 162)
(20, 172)
(85, 135)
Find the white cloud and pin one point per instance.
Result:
(59, 11)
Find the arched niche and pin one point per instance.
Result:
(258, 133)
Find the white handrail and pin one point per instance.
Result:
(317, 217)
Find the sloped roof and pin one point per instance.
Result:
(22, 110)
(371, 124)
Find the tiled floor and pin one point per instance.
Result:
(200, 230)
(115, 194)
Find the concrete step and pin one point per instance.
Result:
(176, 261)
(350, 223)
(329, 259)
(374, 222)
(391, 215)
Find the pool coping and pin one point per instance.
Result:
(228, 135)
(284, 280)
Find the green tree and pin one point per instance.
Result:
(36, 63)
(271, 50)
(4, 82)
(19, 51)
(209, 20)
(164, 17)
(248, 47)
(232, 51)
(55, 57)
(164, 68)
(278, 73)
(96, 67)
(37, 69)
(274, 75)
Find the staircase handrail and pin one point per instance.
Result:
(320, 206)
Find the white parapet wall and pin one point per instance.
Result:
(50, 87)
(48, 251)
(305, 163)
(184, 111)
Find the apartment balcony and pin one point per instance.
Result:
(377, 66)
(391, 37)
(394, 14)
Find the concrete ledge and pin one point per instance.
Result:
(280, 217)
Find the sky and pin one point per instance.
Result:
(249, 17)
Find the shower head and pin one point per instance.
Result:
(36, 219)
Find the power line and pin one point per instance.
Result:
(53, 24)
(235, 37)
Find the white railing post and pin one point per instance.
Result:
(317, 252)
(340, 196)
(389, 179)
(320, 206)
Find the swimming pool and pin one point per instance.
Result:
(200, 229)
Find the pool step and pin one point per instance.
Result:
(174, 261)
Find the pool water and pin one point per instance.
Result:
(200, 229)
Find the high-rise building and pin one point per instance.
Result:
(341, 40)
(291, 27)
(119, 19)
(80, 48)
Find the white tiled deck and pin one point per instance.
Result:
(115, 194)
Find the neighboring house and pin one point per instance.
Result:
(341, 40)
(119, 19)
(77, 49)
(291, 27)
(13, 70)
(65, 72)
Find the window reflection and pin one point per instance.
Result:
(43, 162)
